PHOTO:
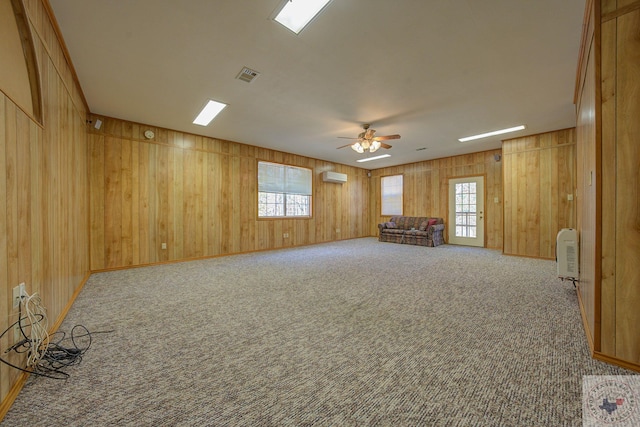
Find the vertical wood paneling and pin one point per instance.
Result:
(144, 200)
(539, 176)
(11, 166)
(199, 195)
(113, 202)
(44, 190)
(6, 377)
(161, 207)
(587, 133)
(627, 236)
(608, 180)
(126, 203)
(507, 201)
(97, 197)
(426, 189)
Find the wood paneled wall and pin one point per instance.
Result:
(621, 117)
(587, 132)
(609, 179)
(44, 209)
(426, 186)
(199, 196)
(539, 178)
(619, 152)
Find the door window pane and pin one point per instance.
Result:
(466, 218)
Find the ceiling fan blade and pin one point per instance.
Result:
(347, 137)
(386, 137)
(348, 145)
(383, 145)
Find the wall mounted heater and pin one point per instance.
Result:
(567, 254)
(338, 178)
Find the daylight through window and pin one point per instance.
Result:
(391, 194)
(284, 191)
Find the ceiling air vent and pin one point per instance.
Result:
(247, 75)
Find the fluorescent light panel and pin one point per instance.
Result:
(296, 14)
(209, 112)
(368, 159)
(495, 132)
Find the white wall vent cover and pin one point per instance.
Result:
(339, 178)
(247, 75)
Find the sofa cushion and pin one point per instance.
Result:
(432, 221)
(423, 226)
(393, 231)
(390, 225)
(408, 222)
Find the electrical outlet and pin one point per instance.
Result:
(337, 230)
(164, 246)
(18, 292)
(285, 235)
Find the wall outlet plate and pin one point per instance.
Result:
(18, 292)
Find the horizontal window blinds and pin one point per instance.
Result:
(391, 194)
(275, 178)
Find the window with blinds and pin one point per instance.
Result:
(284, 191)
(391, 194)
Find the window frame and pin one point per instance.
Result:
(382, 198)
(284, 194)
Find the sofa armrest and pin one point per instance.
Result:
(435, 228)
(381, 227)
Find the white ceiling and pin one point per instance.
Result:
(431, 71)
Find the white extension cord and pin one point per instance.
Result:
(35, 319)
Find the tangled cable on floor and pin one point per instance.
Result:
(45, 356)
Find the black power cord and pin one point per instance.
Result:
(57, 355)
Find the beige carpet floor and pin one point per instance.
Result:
(351, 333)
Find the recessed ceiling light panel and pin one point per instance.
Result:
(296, 14)
(368, 159)
(493, 133)
(209, 112)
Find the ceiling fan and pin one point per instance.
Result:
(367, 141)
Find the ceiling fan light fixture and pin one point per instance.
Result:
(357, 148)
(368, 142)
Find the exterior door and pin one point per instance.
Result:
(466, 211)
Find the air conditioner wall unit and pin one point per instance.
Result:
(338, 178)
(567, 257)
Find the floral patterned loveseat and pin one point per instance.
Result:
(413, 230)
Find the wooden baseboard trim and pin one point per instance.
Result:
(615, 361)
(633, 366)
(585, 323)
(528, 256)
(5, 405)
